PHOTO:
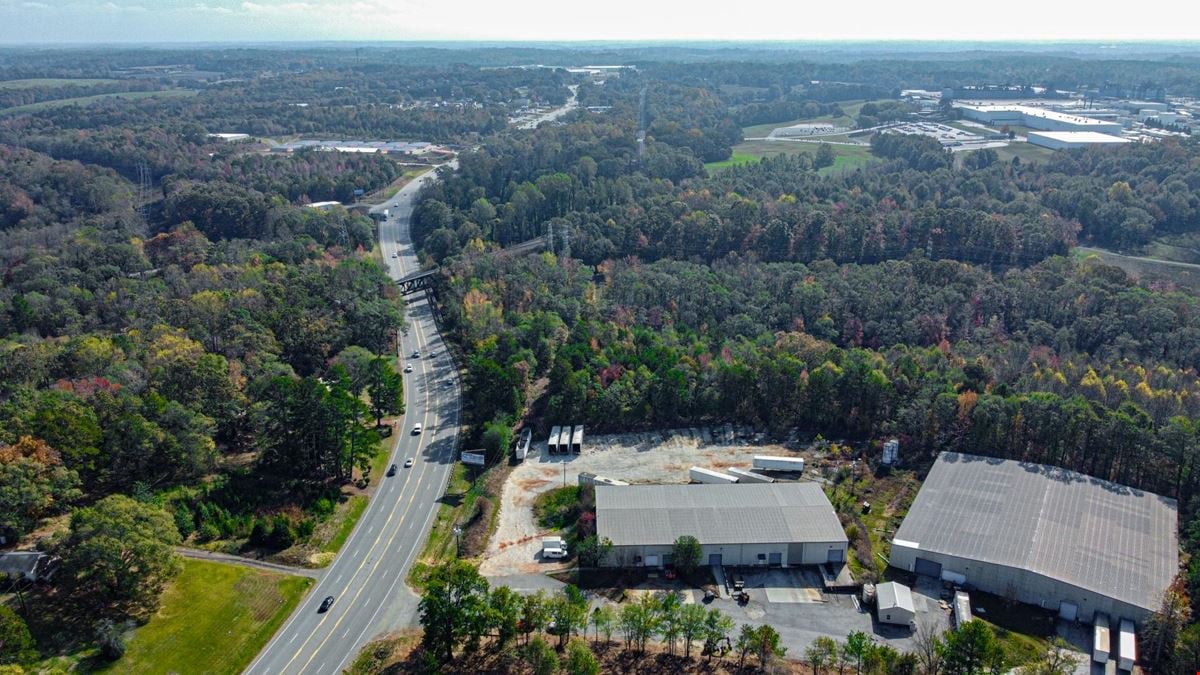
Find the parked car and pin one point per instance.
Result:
(326, 604)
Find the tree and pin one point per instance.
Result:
(669, 606)
(928, 647)
(686, 554)
(454, 608)
(122, 551)
(821, 652)
(856, 647)
(717, 628)
(541, 657)
(33, 485)
(568, 608)
(767, 643)
(111, 638)
(603, 618)
(592, 551)
(824, 157)
(691, 625)
(639, 620)
(386, 388)
(16, 644)
(534, 613)
(971, 649)
(581, 660)
(746, 639)
(1162, 629)
(505, 616)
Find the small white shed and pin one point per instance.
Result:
(894, 604)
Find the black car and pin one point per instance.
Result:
(326, 604)
(392, 470)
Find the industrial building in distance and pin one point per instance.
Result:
(1036, 118)
(766, 524)
(1041, 535)
(1066, 140)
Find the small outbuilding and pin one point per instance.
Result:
(894, 604)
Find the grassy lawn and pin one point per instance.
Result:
(52, 82)
(1145, 268)
(847, 157)
(353, 510)
(557, 509)
(458, 502)
(214, 618)
(1026, 151)
(890, 495)
(89, 100)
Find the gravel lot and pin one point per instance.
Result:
(652, 457)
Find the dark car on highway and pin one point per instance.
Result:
(326, 604)
(392, 470)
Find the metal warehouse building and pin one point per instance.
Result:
(1036, 118)
(1042, 535)
(776, 524)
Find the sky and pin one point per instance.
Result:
(158, 21)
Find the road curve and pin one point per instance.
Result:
(366, 578)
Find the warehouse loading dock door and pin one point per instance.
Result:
(928, 568)
(714, 559)
(776, 560)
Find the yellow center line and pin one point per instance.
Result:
(421, 344)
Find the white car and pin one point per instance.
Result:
(408, 368)
(416, 429)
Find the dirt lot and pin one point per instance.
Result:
(652, 457)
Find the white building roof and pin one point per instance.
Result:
(765, 513)
(893, 595)
(1031, 111)
(1091, 137)
(1102, 537)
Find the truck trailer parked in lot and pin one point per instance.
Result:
(552, 441)
(745, 476)
(522, 449)
(577, 439)
(776, 463)
(699, 474)
(586, 478)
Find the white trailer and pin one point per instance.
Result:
(962, 608)
(776, 463)
(564, 440)
(522, 449)
(577, 439)
(1101, 643)
(699, 474)
(1126, 646)
(552, 441)
(745, 476)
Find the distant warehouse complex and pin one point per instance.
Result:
(768, 524)
(1066, 140)
(1036, 118)
(1042, 535)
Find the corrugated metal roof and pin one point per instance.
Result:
(894, 595)
(1107, 538)
(639, 515)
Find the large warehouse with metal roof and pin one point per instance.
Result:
(777, 524)
(1041, 535)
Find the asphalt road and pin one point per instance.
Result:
(366, 578)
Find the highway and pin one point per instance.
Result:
(366, 578)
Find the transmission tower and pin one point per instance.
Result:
(145, 185)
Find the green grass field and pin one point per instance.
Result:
(847, 157)
(439, 547)
(52, 82)
(90, 100)
(353, 511)
(214, 618)
(1026, 151)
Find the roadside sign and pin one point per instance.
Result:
(474, 458)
